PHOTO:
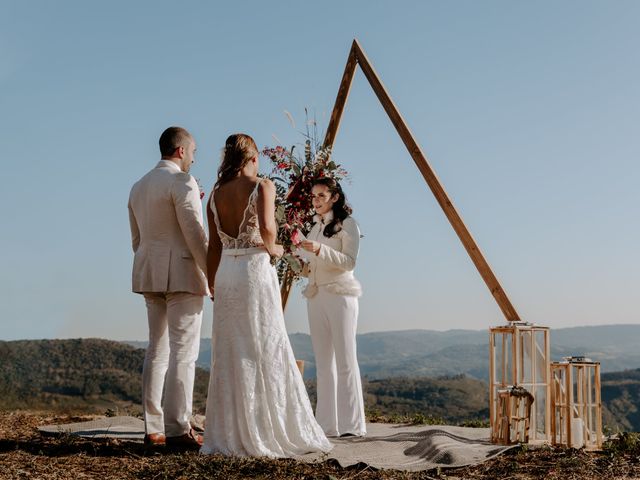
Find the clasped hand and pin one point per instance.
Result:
(311, 246)
(278, 251)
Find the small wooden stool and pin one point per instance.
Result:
(513, 416)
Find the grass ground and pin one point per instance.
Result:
(25, 454)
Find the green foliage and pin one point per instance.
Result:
(623, 443)
(476, 423)
(421, 419)
(93, 375)
(101, 375)
(80, 374)
(429, 400)
(621, 399)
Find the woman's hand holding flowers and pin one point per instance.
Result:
(311, 246)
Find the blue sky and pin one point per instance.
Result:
(528, 112)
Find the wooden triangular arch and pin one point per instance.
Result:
(358, 57)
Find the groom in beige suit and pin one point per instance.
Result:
(169, 269)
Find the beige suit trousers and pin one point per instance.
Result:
(174, 343)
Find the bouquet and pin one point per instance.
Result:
(293, 174)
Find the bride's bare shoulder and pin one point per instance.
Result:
(266, 185)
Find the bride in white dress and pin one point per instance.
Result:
(257, 404)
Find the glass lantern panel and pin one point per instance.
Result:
(559, 416)
(508, 359)
(503, 358)
(540, 357)
(497, 355)
(525, 372)
(540, 406)
(578, 389)
(592, 409)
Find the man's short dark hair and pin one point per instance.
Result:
(172, 138)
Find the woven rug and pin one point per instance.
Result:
(414, 448)
(389, 446)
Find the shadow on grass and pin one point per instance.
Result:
(67, 445)
(134, 460)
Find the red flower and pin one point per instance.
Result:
(295, 237)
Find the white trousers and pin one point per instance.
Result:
(174, 342)
(333, 320)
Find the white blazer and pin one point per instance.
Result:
(333, 266)
(167, 232)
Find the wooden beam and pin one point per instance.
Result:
(432, 181)
(332, 131)
(357, 57)
(341, 99)
(285, 288)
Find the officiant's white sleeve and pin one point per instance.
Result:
(345, 259)
(186, 199)
(305, 270)
(135, 230)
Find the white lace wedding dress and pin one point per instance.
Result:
(257, 404)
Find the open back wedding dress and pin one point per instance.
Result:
(257, 404)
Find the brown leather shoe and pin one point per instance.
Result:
(189, 440)
(154, 439)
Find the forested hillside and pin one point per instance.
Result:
(99, 375)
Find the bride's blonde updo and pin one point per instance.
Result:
(238, 150)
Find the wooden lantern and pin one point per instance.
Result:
(513, 416)
(519, 355)
(576, 419)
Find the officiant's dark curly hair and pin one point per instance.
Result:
(340, 209)
(238, 150)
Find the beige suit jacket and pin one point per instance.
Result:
(167, 232)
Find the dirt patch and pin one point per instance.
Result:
(24, 453)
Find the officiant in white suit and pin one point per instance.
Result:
(169, 269)
(331, 250)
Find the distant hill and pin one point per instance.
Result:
(621, 395)
(420, 353)
(81, 374)
(94, 375)
(453, 399)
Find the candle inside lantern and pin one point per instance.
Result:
(577, 432)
